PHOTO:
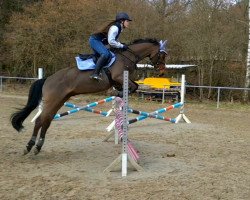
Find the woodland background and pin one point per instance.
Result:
(212, 34)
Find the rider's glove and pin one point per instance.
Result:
(125, 47)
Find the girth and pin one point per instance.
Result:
(115, 84)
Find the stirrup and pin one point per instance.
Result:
(96, 77)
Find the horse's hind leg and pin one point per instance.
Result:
(32, 141)
(45, 126)
(49, 110)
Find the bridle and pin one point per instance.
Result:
(154, 60)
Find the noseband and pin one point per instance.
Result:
(158, 61)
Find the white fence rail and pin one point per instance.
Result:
(219, 89)
(17, 78)
(40, 76)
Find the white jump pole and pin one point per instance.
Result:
(40, 73)
(183, 91)
(124, 157)
(125, 125)
(183, 80)
(40, 107)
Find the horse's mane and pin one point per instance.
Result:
(145, 40)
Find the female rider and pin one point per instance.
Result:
(108, 35)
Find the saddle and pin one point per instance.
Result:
(88, 61)
(88, 56)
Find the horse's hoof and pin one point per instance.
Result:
(25, 151)
(36, 151)
(120, 94)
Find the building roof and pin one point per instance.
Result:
(167, 66)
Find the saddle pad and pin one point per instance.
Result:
(89, 63)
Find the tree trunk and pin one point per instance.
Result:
(201, 79)
(210, 78)
(247, 80)
(34, 66)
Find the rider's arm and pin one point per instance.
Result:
(113, 31)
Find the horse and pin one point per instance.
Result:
(60, 86)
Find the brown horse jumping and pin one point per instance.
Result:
(59, 87)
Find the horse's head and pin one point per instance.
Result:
(158, 57)
(142, 48)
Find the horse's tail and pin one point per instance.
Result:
(35, 95)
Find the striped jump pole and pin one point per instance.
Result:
(57, 116)
(71, 105)
(144, 115)
(154, 114)
(138, 112)
(119, 127)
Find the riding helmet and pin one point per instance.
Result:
(122, 16)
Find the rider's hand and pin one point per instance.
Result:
(125, 47)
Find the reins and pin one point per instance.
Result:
(137, 58)
(154, 60)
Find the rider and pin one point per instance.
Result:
(108, 35)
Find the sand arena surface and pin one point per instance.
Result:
(212, 156)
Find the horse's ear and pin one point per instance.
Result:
(163, 45)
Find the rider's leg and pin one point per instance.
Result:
(104, 53)
(98, 67)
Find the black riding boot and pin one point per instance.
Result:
(98, 67)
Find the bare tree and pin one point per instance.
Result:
(209, 33)
(52, 33)
(247, 80)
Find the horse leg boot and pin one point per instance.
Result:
(99, 64)
(41, 140)
(32, 141)
(29, 145)
(133, 86)
(39, 145)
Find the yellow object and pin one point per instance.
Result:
(159, 83)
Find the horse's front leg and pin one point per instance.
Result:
(132, 87)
